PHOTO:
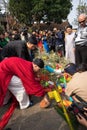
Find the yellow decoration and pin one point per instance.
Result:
(54, 95)
(68, 79)
(67, 103)
(59, 89)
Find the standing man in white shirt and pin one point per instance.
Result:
(81, 41)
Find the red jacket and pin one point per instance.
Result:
(24, 70)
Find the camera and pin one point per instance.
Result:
(78, 107)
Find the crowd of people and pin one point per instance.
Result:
(19, 67)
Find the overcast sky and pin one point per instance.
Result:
(1, 5)
(73, 12)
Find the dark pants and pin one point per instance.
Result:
(81, 54)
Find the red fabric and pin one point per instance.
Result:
(24, 70)
(5, 118)
(40, 46)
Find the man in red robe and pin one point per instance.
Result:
(25, 71)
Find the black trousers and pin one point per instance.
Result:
(80, 54)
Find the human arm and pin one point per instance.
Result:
(52, 70)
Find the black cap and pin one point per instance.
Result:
(70, 68)
(32, 40)
(39, 62)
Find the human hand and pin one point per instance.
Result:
(58, 71)
(85, 108)
(85, 111)
(81, 120)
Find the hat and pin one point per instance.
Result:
(32, 40)
(70, 68)
(39, 62)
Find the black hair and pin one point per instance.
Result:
(39, 62)
(32, 40)
(68, 26)
(82, 67)
(16, 37)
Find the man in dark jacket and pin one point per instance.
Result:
(59, 41)
(20, 49)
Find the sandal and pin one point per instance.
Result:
(44, 103)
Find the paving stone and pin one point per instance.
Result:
(35, 118)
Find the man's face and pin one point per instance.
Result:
(82, 21)
(36, 68)
(31, 46)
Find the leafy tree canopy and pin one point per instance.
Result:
(82, 8)
(27, 11)
(21, 10)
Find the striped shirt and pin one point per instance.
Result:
(81, 36)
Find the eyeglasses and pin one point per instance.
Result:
(82, 21)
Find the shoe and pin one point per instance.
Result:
(44, 103)
(31, 103)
